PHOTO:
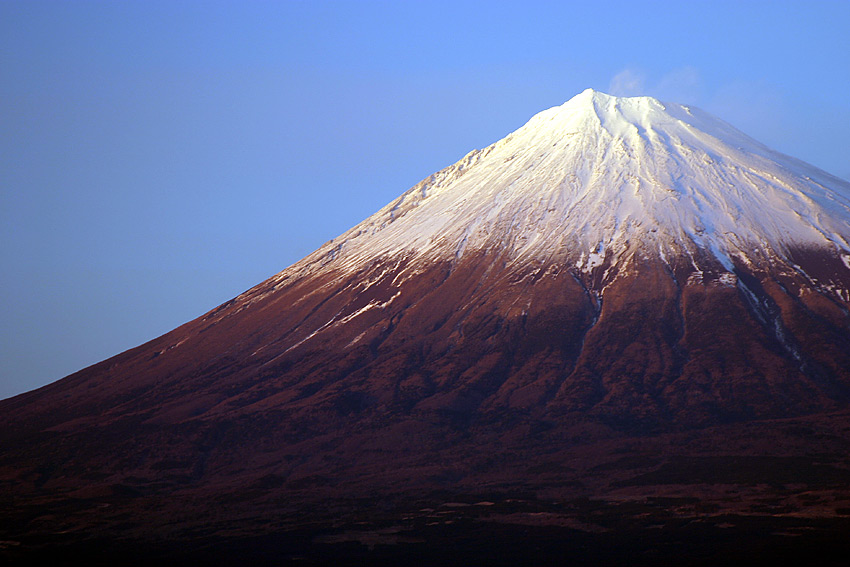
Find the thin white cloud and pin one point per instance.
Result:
(628, 82)
(682, 85)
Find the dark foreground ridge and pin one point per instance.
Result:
(514, 531)
(633, 500)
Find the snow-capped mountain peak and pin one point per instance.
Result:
(604, 175)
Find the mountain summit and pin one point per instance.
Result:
(616, 290)
(603, 175)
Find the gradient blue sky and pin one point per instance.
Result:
(158, 158)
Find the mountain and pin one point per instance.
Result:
(622, 300)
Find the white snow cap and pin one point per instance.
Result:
(605, 174)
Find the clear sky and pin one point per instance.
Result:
(159, 157)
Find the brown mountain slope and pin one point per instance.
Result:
(467, 349)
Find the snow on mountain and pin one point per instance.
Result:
(603, 176)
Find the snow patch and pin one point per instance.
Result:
(728, 279)
(356, 339)
(594, 260)
(695, 278)
(371, 305)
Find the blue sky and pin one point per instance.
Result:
(158, 158)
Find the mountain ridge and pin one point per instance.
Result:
(528, 319)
